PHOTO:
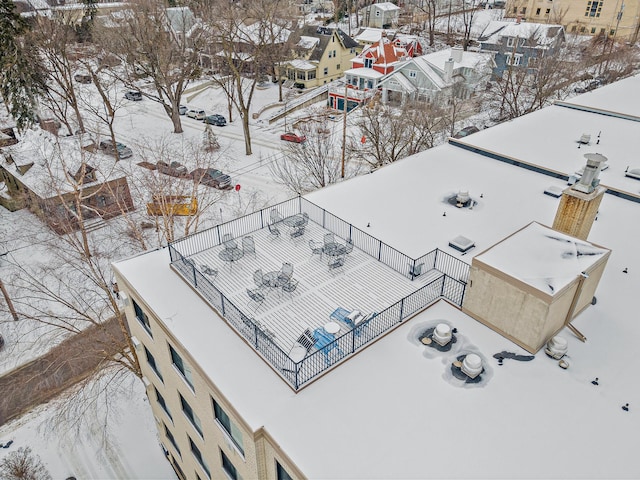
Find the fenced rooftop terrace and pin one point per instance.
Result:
(305, 332)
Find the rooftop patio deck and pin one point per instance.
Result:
(385, 285)
(363, 283)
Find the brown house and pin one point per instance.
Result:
(53, 177)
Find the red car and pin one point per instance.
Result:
(292, 137)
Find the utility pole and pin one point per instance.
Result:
(344, 125)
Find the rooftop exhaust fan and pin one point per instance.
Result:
(556, 347)
(442, 334)
(472, 365)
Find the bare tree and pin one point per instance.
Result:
(154, 46)
(315, 163)
(394, 133)
(467, 15)
(243, 37)
(55, 40)
(429, 8)
(23, 464)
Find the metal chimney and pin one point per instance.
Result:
(589, 180)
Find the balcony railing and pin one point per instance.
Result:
(450, 284)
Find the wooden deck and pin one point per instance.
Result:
(363, 283)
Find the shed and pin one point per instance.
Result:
(529, 285)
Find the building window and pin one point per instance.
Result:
(574, 28)
(152, 363)
(311, 75)
(198, 456)
(326, 70)
(188, 412)
(171, 439)
(510, 41)
(612, 32)
(513, 59)
(182, 367)
(281, 473)
(368, 62)
(412, 74)
(162, 403)
(177, 468)
(228, 467)
(377, 13)
(225, 422)
(523, 11)
(142, 318)
(334, 54)
(537, 11)
(330, 53)
(353, 50)
(338, 67)
(582, 29)
(593, 8)
(593, 30)
(515, 9)
(300, 75)
(547, 11)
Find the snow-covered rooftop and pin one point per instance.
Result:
(302, 64)
(364, 73)
(543, 33)
(542, 257)
(386, 6)
(372, 35)
(308, 42)
(393, 408)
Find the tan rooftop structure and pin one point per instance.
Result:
(530, 285)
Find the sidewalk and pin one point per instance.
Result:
(72, 361)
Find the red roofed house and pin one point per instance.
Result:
(367, 68)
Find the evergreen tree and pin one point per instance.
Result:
(209, 139)
(22, 79)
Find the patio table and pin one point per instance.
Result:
(334, 249)
(270, 279)
(231, 255)
(296, 220)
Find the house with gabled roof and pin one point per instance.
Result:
(437, 76)
(48, 175)
(520, 44)
(320, 55)
(367, 69)
(380, 15)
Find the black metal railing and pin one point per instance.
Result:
(450, 284)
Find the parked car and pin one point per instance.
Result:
(196, 113)
(466, 131)
(182, 109)
(211, 177)
(82, 78)
(133, 95)
(592, 85)
(107, 147)
(293, 137)
(215, 119)
(174, 169)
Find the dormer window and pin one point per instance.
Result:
(510, 42)
(368, 62)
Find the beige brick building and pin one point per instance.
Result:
(615, 18)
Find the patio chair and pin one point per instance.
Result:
(329, 238)
(228, 241)
(258, 278)
(316, 248)
(336, 262)
(212, 272)
(415, 270)
(348, 248)
(275, 216)
(306, 339)
(286, 272)
(305, 219)
(273, 230)
(290, 286)
(297, 232)
(257, 296)
(248, 245)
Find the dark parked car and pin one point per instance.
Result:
(292, 137)
(174, 169)
(107, 147)
(133, 95)
(592, 85)
(215, 119)
(82, 78)
(211, 177)
(466, 131)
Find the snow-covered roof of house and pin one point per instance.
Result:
(364, 73)
(55, 161)
(544, 258)
(181, 19)
(307, 42)
(384, 53)
(545, 34)
(260, 31)
(372, 35)
(386, 6)
(532, 418)
(302, 64)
